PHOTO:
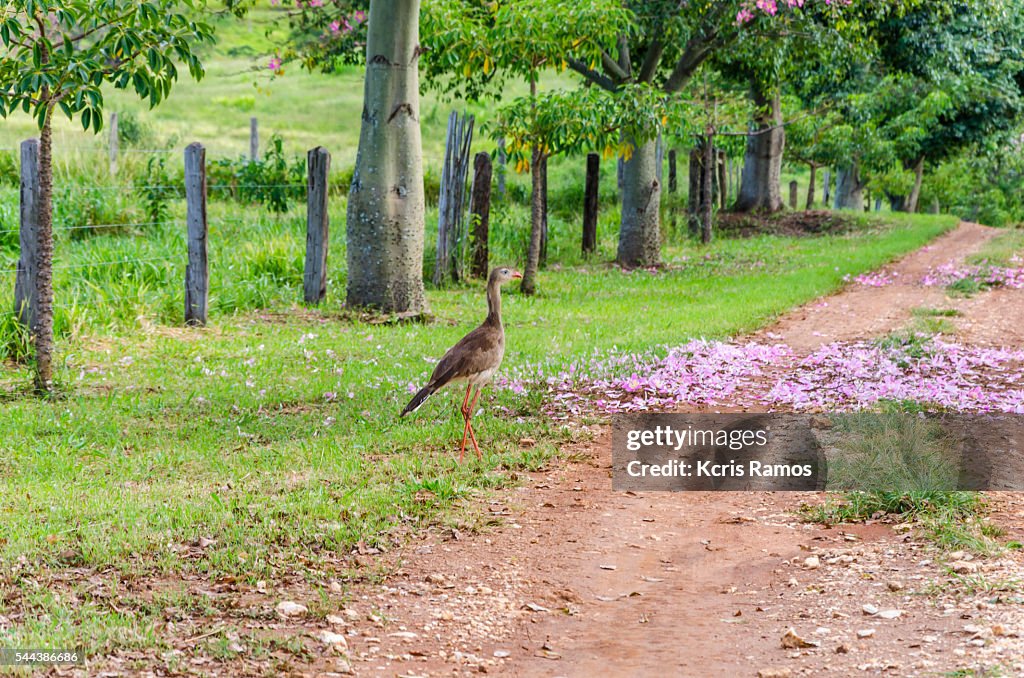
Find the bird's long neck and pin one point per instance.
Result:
(493, 304)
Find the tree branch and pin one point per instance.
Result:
(599, 79)
(651, 60)
(612, 67)
(625, 62)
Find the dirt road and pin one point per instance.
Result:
(578, 580)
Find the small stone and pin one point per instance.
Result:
(963, 567)
(502, 654)
(812, 563)
(870, 609)
(865, 633)
(406, 635)
(774, 673)
(287, 608)
(791, 641)
(842, 648)
(335, 640)
(890, 614)
(894, 586)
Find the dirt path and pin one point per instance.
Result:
(577, 580)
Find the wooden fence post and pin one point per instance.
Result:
(197, 275)
(254, 139)
(826, 187)
(590, 199)
(721, 179)
(502, 157)
(450, 222)
(480, 214)
(793, 197)
(672, 181)
(693, 196)
(26, 281)
(314, 278)
(114, 144)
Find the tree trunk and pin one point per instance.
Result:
(386, 203)
(849, 188)
(826, 189)
(915, 192)
(639, 236)
(529, 284)
(762, 165)
(590, 202)
(810, 186)
(43, 329)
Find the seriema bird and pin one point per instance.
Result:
(473, 360)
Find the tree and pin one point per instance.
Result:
(386, 200)
(473, 49)
(59, 53)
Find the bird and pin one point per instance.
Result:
(473, 360)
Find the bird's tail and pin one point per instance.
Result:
(418, 399)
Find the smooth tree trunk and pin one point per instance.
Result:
(529, 284)
(42, 330)
(760, 188)
(810, 186)
(386, 203)
(849, 188)
(639, 229)
(915, 192)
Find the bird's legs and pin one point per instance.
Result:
(467, 414)
(465, 417)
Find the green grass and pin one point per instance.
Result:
(267, 446)
(273, 433)
(1000, 250)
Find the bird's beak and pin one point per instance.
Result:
(516, 275)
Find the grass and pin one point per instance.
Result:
(266, 447)
(268, 442)
(999, 251)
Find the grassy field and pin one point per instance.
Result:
(267, 446)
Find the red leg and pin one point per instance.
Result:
(469, 425)
(465, 415)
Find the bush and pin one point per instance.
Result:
(132, 130)
(271, 181)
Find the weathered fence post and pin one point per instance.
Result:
(707, 189)
(450, 232)
(480, 214)
(934, 207)
(114, 143)
(811, 186)
(314, 278)
(197, 275)
(727, 173)
(693, 195)
(254, 139)
(26, 281)
(878, 204)
(826, 188)
(721, 179)
(502, 157)
(590, 198)
(793, 197)
(672, 182)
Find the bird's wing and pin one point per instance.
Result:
(476, 352)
